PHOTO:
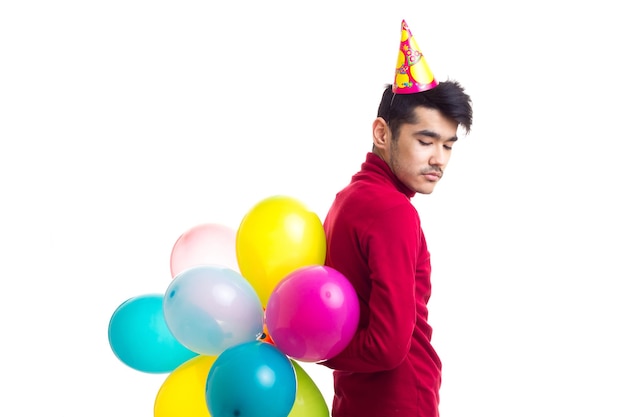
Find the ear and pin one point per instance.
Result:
(381, 134)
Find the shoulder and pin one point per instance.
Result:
(379, 200)
(378, 209)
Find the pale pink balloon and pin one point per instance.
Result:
(205, 244)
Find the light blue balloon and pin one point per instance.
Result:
(252, 379)
(140, 338)
(210, 308)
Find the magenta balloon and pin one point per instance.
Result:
(204, 244)
(312, 314)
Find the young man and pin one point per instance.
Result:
(374, 237)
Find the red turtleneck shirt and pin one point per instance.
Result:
(374, 237)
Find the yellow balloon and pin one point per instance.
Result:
(277, 236)
(309, 400)
(183, 391)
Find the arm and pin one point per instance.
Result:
(389, 246)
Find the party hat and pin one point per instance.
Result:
(412, 72)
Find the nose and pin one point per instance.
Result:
(438, 157)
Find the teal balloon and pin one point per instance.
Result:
(253, 379)
(140, 338)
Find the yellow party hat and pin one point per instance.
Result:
(412, 72)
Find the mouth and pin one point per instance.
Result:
(432, 176)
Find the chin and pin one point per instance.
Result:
(425, 190)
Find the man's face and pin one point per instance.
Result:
(420, 153)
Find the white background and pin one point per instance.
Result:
(124, 123)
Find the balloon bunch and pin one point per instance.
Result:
(242, 308)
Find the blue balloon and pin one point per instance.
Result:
(140, 338)
(253, 379)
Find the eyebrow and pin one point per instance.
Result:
(434, 135)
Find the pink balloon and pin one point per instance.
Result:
(204, 244)
(312, 313)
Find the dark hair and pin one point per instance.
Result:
(448, 97)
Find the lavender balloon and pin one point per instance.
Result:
(209, 308)
(312, 314)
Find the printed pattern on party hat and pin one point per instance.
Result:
(412, 72)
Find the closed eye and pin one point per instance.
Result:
(447, 147)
